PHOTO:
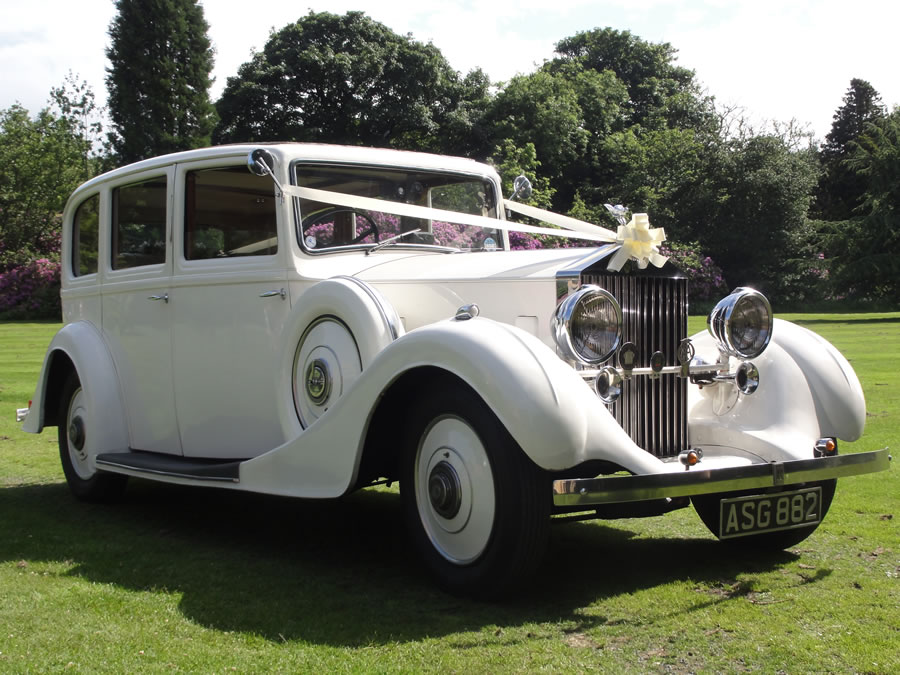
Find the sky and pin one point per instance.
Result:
(775, 60)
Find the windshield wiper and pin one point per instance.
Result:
(393, 240)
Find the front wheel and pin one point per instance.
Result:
(708, 508)
(477, 507)
(77, 424)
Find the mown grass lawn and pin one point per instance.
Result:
(179, 580)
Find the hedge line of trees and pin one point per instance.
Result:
(610, 118)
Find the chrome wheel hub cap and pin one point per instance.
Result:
(77, 423)
(76, 434)
(444, 490)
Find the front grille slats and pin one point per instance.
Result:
(654, 316)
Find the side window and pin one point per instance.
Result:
(228, 213)
(139, 224)
(84, 236)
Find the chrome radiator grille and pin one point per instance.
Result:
(654, 317)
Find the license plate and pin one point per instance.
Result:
(742, 516)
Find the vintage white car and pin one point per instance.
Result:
(334, 318)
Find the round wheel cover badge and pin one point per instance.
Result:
(318, 382)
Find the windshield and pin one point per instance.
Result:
(324, 226)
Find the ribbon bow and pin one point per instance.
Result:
(639, 242)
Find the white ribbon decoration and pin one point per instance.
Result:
(639, 243)
(637, 240)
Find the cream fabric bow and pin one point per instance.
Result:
(639, 242)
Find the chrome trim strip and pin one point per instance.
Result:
(587, 491)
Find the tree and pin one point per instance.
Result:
(349, 79)
(759, 229)
(41, 162)
(542, 109)
(77, 106)
(866, 265)
(159, 78)
(840, 190)
(659, 92)
(612, 117)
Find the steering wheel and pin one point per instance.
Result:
(327, 214)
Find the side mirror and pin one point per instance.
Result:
(261, 163)
(521, 188)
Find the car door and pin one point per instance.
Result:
(136, 313)
(229, 296)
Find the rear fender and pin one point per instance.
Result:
(81, 346)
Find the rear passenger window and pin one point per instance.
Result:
(84, 236)
(139, 224)
(227, 213)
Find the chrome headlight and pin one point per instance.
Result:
(742, 323)
(587, 325)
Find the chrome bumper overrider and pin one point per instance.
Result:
(697, 481)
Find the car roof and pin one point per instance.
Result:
(314, 152)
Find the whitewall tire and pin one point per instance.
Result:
(78, 427)
(477, 508)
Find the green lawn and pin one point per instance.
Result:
(186, 580)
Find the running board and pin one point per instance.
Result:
(156, 464)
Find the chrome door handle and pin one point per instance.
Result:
(164, 297)
(272, 294)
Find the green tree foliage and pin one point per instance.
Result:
(758, 230)
(662, 172)
(614, 119)
(512, 160)
(543, 110)
(42, 159)
(660, 93)
(349, 79)
(76, 104)
(866, 263)
(840, 190)
(159, 78)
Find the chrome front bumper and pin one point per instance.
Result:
(697, 481)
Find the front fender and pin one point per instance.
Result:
(81, 344)
(543, 403)
(835, 388)
(807, 391)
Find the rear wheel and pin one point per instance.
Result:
(707, 507)
(477, 507)
(77, 426)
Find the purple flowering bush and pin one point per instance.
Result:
(445, 234)
(29, 277)
(30, 290)
(706, 278)
(524, 241)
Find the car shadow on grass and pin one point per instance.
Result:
(339, 572)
